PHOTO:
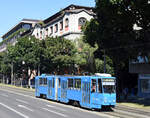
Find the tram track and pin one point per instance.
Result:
(118, 115)
(127, 112)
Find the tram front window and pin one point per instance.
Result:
(109, 88)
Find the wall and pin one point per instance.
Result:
(73, 31)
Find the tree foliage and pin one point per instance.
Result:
(60, 53)
(26, 49)
(115, 33)
(113, 29)
(100, 67)
(85, 56)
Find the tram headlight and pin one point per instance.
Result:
(114, 100)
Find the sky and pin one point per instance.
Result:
(13, 11)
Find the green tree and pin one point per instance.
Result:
(115, 34)
(90, 30)
(4, 64)
(85, 56)
(100, 67)
(60, 53)
(24, 55)
(140, 9)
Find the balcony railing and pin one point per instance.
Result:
(142, 68)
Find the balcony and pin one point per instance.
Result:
(142, 68)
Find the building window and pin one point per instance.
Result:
(37, 35)
(81, 22)
(51, 30)
(61, 25)
(40, 34)
(56, 28)
(66, 22)
(26, 26)
(46, 32)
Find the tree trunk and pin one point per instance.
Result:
(39, 70)
(12, 73)
(3, 79)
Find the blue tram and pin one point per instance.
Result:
(92, 92)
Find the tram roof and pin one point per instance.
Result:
(79, 76)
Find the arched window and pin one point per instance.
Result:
(46, 34)
(56, 28)
(37, 35)
(41, 35)
(82, 21)
(66, 24)
(61, 25)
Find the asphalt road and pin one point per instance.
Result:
(19, 103)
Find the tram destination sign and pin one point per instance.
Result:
(108, 82)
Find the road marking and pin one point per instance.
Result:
(22, 101)
(60, 114)
(22, 106)
(77, 108)
(55, 107)
(50, 106)
(17, 112)
(4, 95)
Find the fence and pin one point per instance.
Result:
(17, 82)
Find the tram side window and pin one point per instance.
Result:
(78, 84)
(44, 81)
(40, 81)
(53, 83)
(70, 83)
(59, 82)
(93, 87)
(99, 86)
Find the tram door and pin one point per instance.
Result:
(86, 93)
(50, 87)
(56, 88)
(63, 89)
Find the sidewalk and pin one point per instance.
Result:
(135, 102)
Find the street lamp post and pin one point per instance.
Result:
(23, 63)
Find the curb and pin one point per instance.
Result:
(13, 86)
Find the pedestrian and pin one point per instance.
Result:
(32, 76)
